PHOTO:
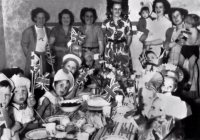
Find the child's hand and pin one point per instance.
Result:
(31, 101)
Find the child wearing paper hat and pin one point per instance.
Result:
(71, 63)
(62, 85)
(21, 105)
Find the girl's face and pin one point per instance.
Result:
(152, 58)
(157, 109)
(62, 88)
(159, 9)
(168, 85)
(145, 14)
(177, 18)
(71, 66)
(40, 20)
(89, 18)
(116, 10)
(20, 94)
(5, 96)
(66, 19)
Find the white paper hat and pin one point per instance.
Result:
(3, 77)
(21, 81)
(72, 57)
(64, 75)
(174, 106)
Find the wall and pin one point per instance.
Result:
(16, 17)
(2, 43)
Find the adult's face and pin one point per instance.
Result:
(116, 10)
(159, 9)
(66, 19)
(177, 18)
(40, 20)
(89, 18)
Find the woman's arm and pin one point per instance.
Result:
(100, 37)
(154, 42)
(25, 41)
(41, 108)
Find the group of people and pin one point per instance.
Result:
(71, 53)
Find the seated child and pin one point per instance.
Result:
(6, 88)
(22, 105)
(158, 124)
(48, 104)
(71, 63)
(143, 22)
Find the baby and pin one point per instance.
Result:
(49, 102)
(143, 22)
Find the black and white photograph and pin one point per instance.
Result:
(99, 70)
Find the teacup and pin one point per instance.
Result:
(50, 128)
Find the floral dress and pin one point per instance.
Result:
(117, 50)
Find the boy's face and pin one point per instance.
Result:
(168, 85)
(145, 14)
(157, 109)
(20, 94)
(71, 66)
(5, 96)
(62, 88)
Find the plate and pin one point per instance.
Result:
(55, 118)
(114, 137)
(37, 134)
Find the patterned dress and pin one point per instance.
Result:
(116, 50)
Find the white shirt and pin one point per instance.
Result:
(41, 39)
(158, 28)
(24, 115)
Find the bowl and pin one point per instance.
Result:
(70, 105)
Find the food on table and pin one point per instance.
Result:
(65, 121)
(60, 127)
(70, 105)
(88, 128)
(96, 119)
(60, 135)
(71, 129)
(80, 122)
(97, 102)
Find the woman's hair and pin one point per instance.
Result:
(5, 83)
(124, 5)
(38, 10)
(86, 9)
(68, 12)
(143, 9)
(182, 11)
(165, 3)
(192, 19)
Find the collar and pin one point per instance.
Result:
(19, 107)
